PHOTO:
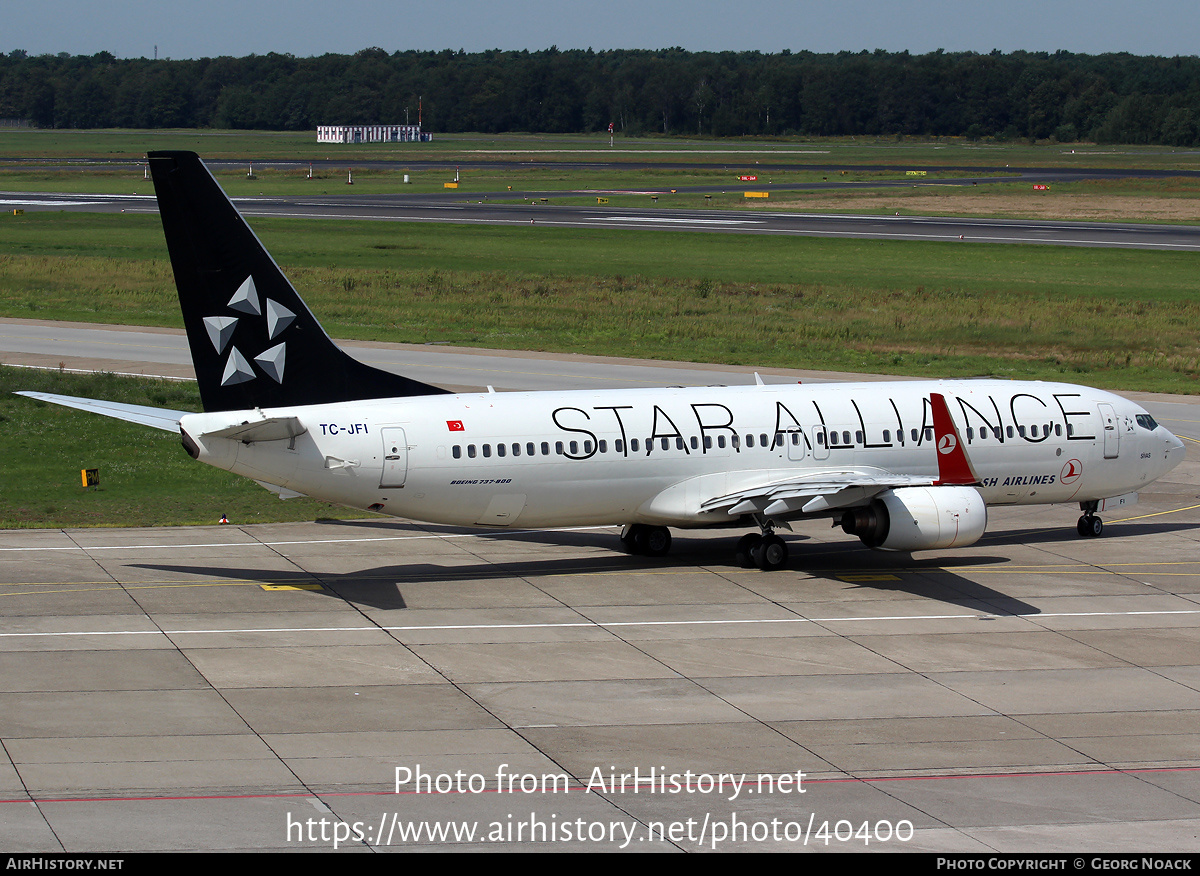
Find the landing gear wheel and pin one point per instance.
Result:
(643, 540)
(770, 553)
(655, 541)
(1090, 526)
(743, 554)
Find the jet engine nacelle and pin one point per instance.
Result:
(919, 518)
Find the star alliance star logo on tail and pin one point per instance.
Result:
(221, 330)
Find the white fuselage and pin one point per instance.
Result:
(538, 459)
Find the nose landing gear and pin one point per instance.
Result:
(1089, 525)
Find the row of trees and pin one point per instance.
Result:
(1105, 98)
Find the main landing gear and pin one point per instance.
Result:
(647, 541)
(767, 551)
(1089, 525)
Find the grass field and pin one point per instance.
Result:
(146, 477)
(576, 170)
(739, 154)
(326, 180)
(1116, 318)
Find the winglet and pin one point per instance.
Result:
(954, 469)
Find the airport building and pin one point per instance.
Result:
(371, 134)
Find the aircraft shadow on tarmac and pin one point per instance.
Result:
(1066, 534)
(847, 562)
(849, 565)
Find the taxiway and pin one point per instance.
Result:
(259, 687)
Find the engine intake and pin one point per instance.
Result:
(919, 518)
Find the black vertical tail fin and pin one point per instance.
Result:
(254, 342)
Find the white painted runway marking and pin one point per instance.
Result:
(597, 624)
(28, 202)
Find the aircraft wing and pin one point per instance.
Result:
(159, 418)
(812, 492)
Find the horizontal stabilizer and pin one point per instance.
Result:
(282, 492)
(270, 429)
(159, 418)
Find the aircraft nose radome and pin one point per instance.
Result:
(1175, 450)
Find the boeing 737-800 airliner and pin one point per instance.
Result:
(904, 465)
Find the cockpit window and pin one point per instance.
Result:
(1146, 422)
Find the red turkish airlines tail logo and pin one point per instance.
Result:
(953, 466)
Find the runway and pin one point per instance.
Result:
(265, 687)
(482, 209)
